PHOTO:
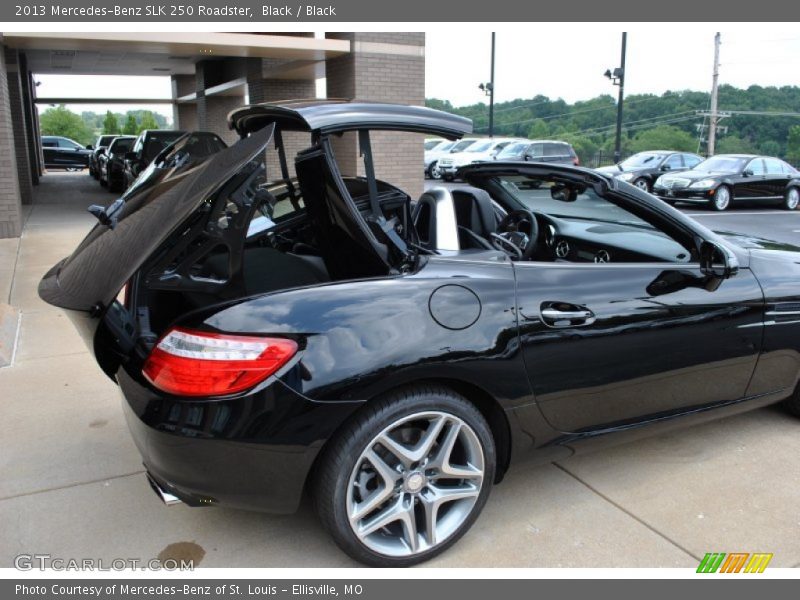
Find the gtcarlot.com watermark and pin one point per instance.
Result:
(43, 562)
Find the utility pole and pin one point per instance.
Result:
(618, 141)
(712, 126)
(491, 94)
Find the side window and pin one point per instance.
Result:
(691, 161)
(674, 162)
(536, 150)
(774, 166)
(67, 144)
(49, 144)
(757, 166)
(555, 150)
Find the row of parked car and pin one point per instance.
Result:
(116, 161)
(443, 158)
(716, 182)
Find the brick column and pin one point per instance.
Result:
(260, 90)
(10, 202)
(384, 67)
(19, 125)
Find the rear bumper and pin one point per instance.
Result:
(254, 452)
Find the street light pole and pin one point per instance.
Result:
(618, 141)
(491, 93)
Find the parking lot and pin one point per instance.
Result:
(72, 485)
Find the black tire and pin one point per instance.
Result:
(341, 455)
(792, 403)
(791, 198)
(448, 177)
(642, 184)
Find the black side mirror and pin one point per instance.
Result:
(666, 168)
(89, 147)
(132, 156)
(747, 173)
(717, 261)
(527, 157)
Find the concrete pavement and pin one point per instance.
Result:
(71, 481)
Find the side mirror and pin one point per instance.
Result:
(89, 147)
(747, 173)
(132, 156)
(717, 261)
(666, 168)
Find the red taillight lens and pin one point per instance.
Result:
(197, 363)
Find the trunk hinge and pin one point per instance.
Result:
(285, 168)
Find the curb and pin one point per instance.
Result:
(9, 329)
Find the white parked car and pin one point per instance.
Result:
(433, 152)
(482, 150)
(433, 156)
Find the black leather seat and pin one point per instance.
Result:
(475, 217)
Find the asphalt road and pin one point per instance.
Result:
(767, 222)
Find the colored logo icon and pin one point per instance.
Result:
(734, 562)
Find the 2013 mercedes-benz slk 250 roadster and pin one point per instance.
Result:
(275, 333)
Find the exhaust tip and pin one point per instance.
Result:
(166, 497)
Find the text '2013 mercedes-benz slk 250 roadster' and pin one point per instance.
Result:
(275, 334)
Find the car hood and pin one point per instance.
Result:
(137, 224)
(694, 175)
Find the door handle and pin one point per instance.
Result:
(562, 314)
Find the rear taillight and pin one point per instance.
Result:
(576, 161)
(197, 363)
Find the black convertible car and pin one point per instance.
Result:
(274, 334)
(723, 179)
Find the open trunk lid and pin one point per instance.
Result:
(134, 226)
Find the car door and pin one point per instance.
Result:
(776, 178)
(69, 154)
(753, 185)
(49, 151)
(609, 340)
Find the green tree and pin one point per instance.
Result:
(770, 148)
(663, 137)
(538, 130)
(131, 127)
(733, 144)
(793, 144)
(61, 121)
(148, 121)
(110, 123)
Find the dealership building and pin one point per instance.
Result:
(211, 74)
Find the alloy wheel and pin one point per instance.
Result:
(641, 183)
(792, 199)
(415, 484)
(436, 172)
(722, 199)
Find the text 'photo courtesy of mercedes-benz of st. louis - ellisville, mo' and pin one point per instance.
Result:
(292, 291)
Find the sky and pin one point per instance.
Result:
(557, 60)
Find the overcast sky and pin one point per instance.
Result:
(558, 60)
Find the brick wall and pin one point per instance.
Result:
(384, 67)
(18, 122)
(272, 90)
(216, 115)
(10, 205)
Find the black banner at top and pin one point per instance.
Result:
(340, 11)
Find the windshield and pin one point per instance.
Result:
(431, 144)
(122, 145)
(479, 147)
(642, 159)
(462, 145)
(512, 150)
(731, 164)
(537, 195)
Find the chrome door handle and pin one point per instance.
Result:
(558, 315)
